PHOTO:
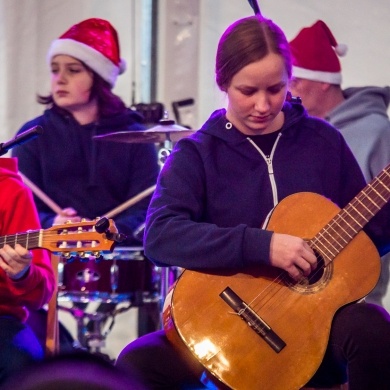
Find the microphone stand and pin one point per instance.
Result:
(20, 139)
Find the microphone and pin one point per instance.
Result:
(20, 139)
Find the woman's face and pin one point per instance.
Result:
(256, 96)
(71, 83)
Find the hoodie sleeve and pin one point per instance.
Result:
(177, 230)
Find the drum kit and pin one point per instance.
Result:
(116, 282)
(123, 276)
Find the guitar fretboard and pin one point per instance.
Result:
(333, 238)
(29, 240)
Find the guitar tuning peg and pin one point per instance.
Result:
(102, 225)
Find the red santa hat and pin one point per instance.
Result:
(95, 43)
(315, 54)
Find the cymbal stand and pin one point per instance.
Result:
(164, 151)
(163, 154)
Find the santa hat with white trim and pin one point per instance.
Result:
(94, 42)
(315, 54)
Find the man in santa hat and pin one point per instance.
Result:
(360, 113)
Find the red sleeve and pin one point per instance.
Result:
(18, 214)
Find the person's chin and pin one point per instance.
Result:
(62, 102)
(257, 126)
(65, 105)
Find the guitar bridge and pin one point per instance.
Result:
(252, 319)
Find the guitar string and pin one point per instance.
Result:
(64, 240)
(370, 193)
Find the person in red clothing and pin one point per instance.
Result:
(27, 279)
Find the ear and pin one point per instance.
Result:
(325, 87)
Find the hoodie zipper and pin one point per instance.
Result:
(268, 160)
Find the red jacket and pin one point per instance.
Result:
(17, 215)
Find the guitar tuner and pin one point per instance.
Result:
(102, 226)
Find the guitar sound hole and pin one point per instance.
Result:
(316, 281)
(316, 275)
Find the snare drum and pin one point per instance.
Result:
(123, 275)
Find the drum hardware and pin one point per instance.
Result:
(166, 133)
(91, 335)
(120, 276)
(166, 130)
(156, 134)
(168, 276)
(123, 276)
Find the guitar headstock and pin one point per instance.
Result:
(79, 239)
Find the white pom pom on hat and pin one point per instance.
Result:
(315, 54)
(341, 49)
(95, 42)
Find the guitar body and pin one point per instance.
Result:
(301, 315)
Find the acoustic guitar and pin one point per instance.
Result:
(258, 329)
(70, 239)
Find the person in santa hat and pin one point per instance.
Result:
(360, 113)
(85, 177)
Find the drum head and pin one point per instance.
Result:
(121, 276)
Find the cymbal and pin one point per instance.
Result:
(157, 134)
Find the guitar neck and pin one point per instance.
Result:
(29, 240)
(69, 239)
(333, 238)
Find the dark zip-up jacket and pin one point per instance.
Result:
(216, 190)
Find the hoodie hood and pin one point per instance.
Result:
(360, 102)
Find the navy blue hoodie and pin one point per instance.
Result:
(216, 190)
(93, 177)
